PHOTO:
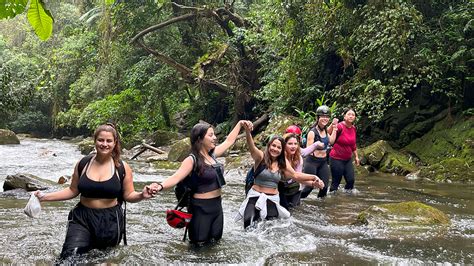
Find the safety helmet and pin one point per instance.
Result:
(293, 129)
(323, 110)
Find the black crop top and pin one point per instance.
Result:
(108, 189)
(207, 181)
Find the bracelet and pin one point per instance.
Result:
(159, 184)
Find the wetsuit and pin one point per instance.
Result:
(341, 157)
(207, 223)
(261, 206)
(317, 166)
(94, 228)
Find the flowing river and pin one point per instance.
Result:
(319, 231)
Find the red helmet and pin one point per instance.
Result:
(293, 129)
(178, 219)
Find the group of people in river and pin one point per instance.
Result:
(284, 171)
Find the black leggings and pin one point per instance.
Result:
(207, 223)
(316, 166)
(251, 214)
(341, 168)
(92, 228)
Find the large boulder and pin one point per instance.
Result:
(453, 169)
(27, 182)
(179, 150)
(86, 146)
(8, 137)
(382, 156)
(163, 137)
(402, 214)
(277, 125)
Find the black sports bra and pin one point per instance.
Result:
(108, 189)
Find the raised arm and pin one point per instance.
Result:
(231, 138)
(257, 155)
(332, 131)
(65, 194)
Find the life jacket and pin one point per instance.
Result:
(121, 173)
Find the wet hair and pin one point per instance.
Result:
(280, 159)
(110, 127)
(198, 132)
(297, 157)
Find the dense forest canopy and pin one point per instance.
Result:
(152, 65)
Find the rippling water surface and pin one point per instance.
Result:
(319, 231)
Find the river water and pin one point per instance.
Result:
(319, 231)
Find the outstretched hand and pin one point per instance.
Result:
(247, 125)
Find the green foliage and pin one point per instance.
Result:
(11, 8)
(32, 121)
(40, 19)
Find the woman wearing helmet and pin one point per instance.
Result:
(316, 162)
(342, 151)
(290, 190)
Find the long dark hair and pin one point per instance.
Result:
(109, 127)
(198, 132)
(280, 159)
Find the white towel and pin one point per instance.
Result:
(261, 205)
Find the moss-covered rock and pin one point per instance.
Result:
(448, 139)
(8, 137)
(163, 137)
(277, 125)
(403, 214)
(453, 169)
(382, 156)
(167, 165)
(179, 150)
(398, 163)
(86, 146)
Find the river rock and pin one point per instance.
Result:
(410, 213)
(179, 150)
(86, 146)
(277, 125)
(64, 179)
(163, 137)
(448, 170)
(8, 137)
(382, 156)
(27, 182)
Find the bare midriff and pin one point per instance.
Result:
(208, 195)
(98, 203)
(266, 190)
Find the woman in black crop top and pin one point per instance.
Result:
(104, 180)
(263, 201)
(207, 222)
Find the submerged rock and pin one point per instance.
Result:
(27, 182)
(410, 213)
(8, 137)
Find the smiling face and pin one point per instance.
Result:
(105, 143)
(323, 120)
(291, 146)
(275, 149)
(350, 116)
(209, 141)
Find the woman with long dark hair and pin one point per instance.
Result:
(103, 181)
(343, 150)
(263, 200)
(316, 163)
(207, 222)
